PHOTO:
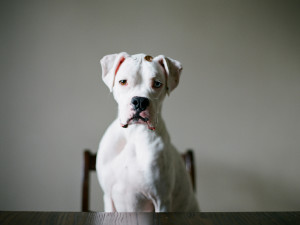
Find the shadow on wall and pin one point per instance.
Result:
(224, 187)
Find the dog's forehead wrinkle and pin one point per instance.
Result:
(128, 71)
(139, 56)
(135, 67)
(151, 70)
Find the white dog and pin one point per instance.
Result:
(137, 166)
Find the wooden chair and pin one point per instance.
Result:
(90, 165)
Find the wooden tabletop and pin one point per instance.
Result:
(80, 218)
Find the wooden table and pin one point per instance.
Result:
(80, 218)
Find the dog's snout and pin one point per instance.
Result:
(139, 103)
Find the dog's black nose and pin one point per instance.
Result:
(139, 103)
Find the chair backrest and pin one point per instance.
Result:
(89, 165)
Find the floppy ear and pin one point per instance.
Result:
(110, 65)
(172, 69)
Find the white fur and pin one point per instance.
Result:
(138, 167)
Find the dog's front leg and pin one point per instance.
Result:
(163, 205)
(108, 204)
(110, 146)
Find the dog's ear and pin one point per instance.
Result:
(110, 65)
(172, 69)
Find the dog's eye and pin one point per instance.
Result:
(157, 84)
(123, 82)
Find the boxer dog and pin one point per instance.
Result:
(137, 166)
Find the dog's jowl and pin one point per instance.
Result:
(137, 166)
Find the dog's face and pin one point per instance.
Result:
(139, 84)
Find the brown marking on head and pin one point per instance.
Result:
(148, 58)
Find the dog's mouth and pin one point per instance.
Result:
(137, 119)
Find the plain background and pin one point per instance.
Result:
(237, 105)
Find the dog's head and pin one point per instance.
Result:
(139, 84)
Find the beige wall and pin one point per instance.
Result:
(237, 106)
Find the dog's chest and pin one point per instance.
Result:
(132, 170)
